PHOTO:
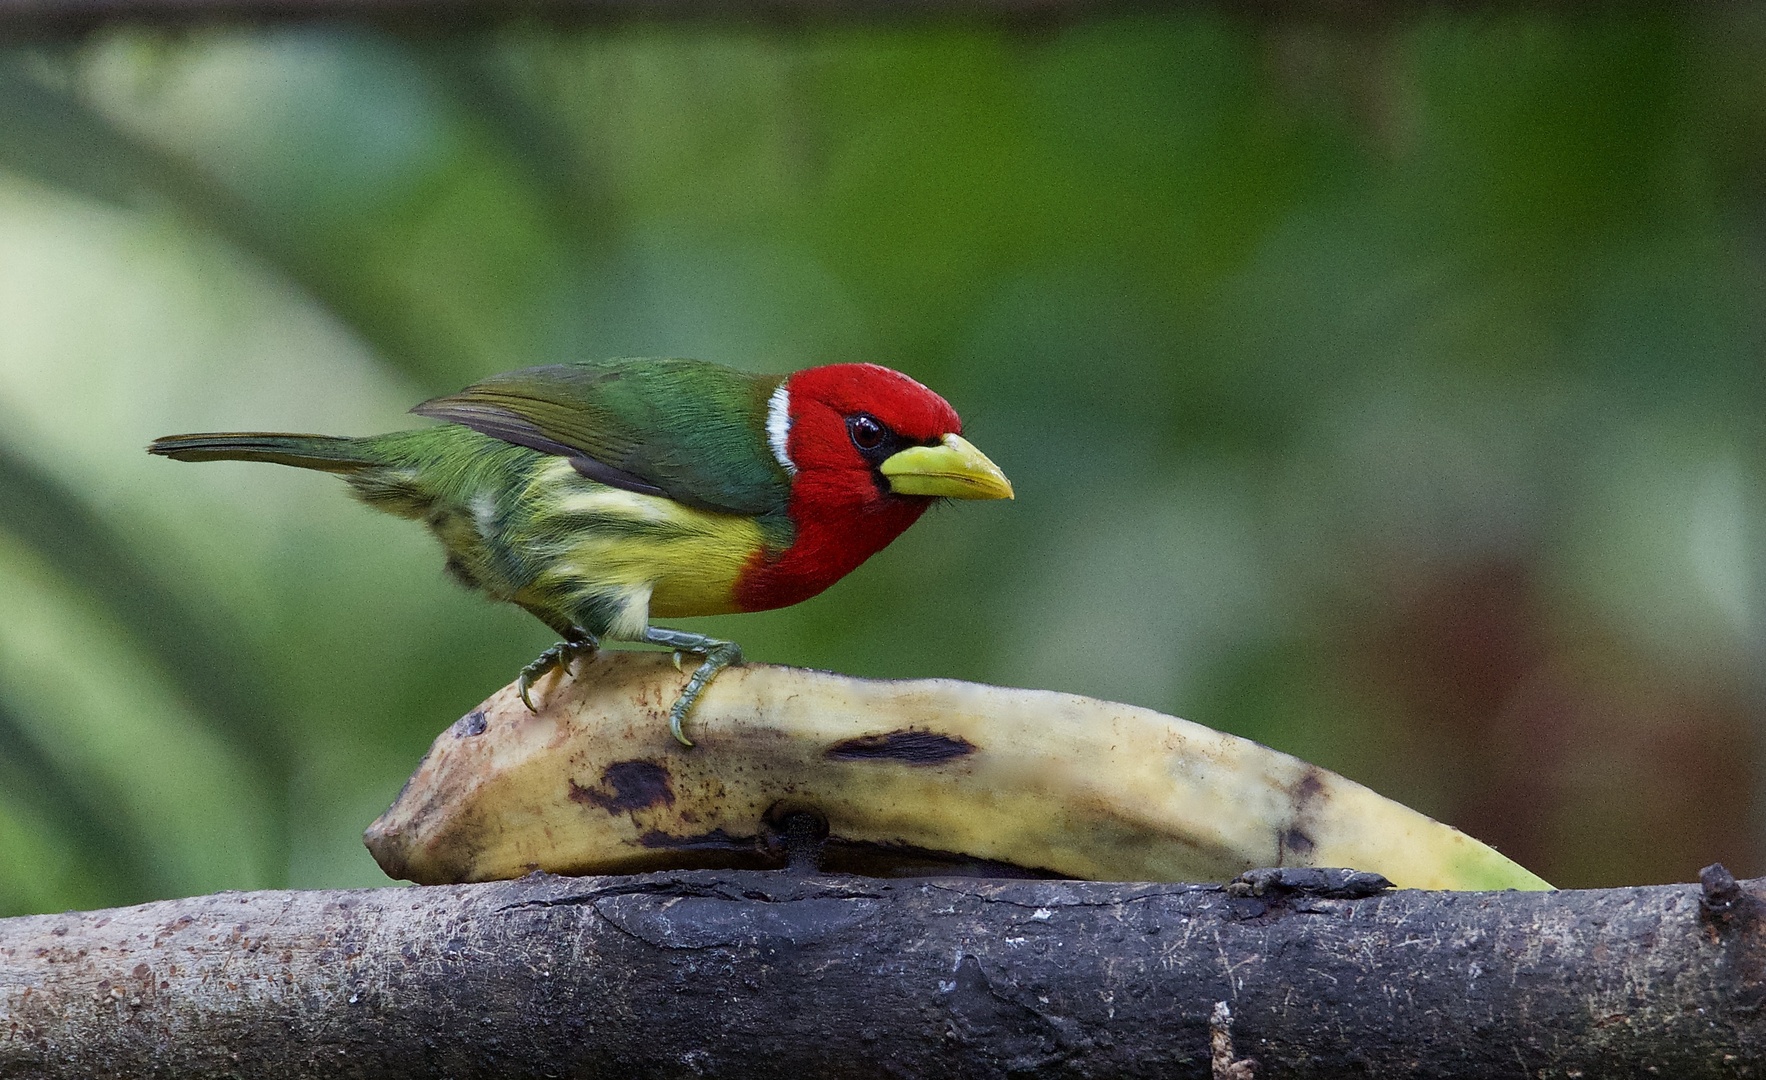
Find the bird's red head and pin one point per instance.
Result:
(846, 419)
(868, 450)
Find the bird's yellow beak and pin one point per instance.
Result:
(953, 469)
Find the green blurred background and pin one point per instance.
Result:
(1385, 391)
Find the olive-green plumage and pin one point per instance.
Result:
(694, 430)
(592, 494)
(543, 504)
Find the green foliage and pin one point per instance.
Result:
(1390, 396)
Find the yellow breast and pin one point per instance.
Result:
(649, 555)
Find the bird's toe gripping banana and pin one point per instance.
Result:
(559, 657)
(906, 775)
(718, 656)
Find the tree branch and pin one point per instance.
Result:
(757, 974)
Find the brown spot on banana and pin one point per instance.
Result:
(927, 776)
(627, 786)
(1295, 844)
(909, 747)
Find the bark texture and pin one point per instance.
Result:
(803, 975)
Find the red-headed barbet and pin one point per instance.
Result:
(600, 494)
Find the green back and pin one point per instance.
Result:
(687, 429)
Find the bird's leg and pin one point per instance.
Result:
(718, 656)
(577, 642)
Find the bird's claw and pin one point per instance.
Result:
(720, 655)
(560, 656)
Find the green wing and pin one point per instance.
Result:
(686, 429)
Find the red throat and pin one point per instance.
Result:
(831, 543)
(841, 507)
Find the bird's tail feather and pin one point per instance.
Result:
(323, 452)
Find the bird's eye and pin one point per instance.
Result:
(867, 431)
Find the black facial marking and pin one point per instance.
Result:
(873, 439)
(877, 442)
(867, 431)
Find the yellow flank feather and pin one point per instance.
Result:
(643, 555)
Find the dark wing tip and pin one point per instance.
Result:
(511, 427)
(495, 421)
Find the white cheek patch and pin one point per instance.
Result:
(778, 428)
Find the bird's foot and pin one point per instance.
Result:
(718, 656)
(560, 656)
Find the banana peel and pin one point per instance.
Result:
(907, 777)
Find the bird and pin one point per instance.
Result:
(597, 495)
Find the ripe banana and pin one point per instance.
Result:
(907, 776)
